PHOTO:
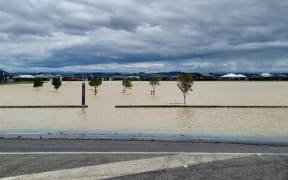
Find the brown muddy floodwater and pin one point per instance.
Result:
(101, 118)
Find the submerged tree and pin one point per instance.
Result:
(154, 81)
(185, 82)
(127, 84)
(38, 82)
(56, 82)
(95, 82)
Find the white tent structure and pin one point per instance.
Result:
(232, 76)
(266, 75)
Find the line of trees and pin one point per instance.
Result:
(185, 82)
(56, 82)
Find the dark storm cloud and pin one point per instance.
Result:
(136, 35)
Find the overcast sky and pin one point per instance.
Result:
(144, 35)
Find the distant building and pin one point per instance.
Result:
(4, 76)
(204, 77)
(44, 77)
(135, 78)
(72, 78)
(165, 76)
(280, 77)
(255, 77)
(117, 77)
(23, 78)
(121, 77)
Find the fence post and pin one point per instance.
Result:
(83, 94)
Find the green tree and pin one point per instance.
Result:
(56, 82)
(95, 82)
(185, 82)
(127, 84)
(38, 82)
(154, 81)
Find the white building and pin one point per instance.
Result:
(25, 77)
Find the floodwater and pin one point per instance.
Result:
(101, 116)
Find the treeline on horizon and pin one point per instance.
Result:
(164, 76)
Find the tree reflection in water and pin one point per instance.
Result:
(185, 117)
(83, 114)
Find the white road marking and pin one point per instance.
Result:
(128, 167)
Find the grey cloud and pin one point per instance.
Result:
(248, 35)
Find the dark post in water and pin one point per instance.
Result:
(83, 94)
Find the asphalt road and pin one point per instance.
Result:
(124, 166)
(19, 164)
(66, 145)
(31, 156)
(246, 168)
